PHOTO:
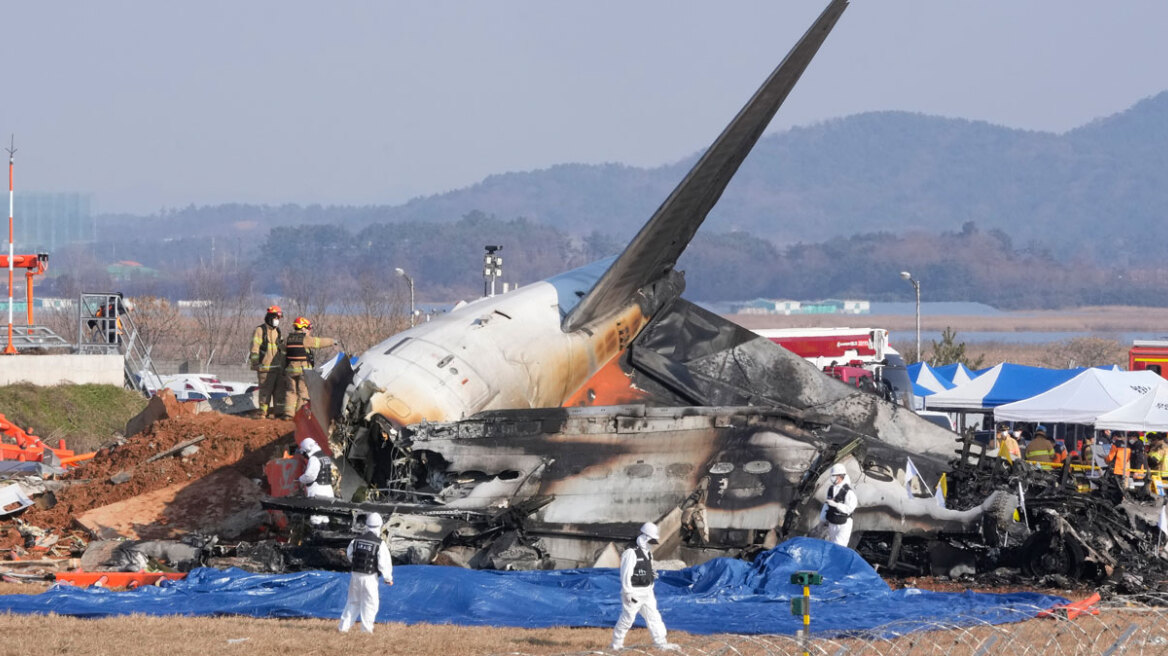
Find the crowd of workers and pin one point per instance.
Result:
(280, 361)
(1133, 456)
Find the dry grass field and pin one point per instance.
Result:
(199, 636)
(1141, 629)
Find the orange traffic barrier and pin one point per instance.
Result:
(72, 461)
(117, 579)
(1074, 609)
(30, 448)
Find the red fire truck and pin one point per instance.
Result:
(825, 347)
(1150, 355)
(857, 356)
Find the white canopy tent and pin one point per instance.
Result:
(1147, 413)
(1083, 398)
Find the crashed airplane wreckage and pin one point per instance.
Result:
(541, 427)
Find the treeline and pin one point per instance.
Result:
(969, 265)
(445, 259)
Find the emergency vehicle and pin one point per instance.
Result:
(860, 357)
(1150, 355)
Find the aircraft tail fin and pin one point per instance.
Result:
(654, 251)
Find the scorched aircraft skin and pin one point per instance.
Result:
(576, 408)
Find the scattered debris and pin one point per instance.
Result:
(180, 448)
(121, 477)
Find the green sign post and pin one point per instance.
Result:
(802, 605)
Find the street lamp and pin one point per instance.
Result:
(409, 281)
(916, 286)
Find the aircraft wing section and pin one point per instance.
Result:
(654, 251)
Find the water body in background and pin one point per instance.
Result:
(946, 308)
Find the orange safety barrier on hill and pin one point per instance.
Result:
(117, 579)
(25, 447)
(1074, 609)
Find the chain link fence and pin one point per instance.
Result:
(1123, 625)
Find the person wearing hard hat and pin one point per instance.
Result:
(298, 356)
(267, 360)
(317, 478)
(1041, 448)
(637, 577)
(838, 506)
(369, 557)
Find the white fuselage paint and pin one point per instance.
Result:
(500, 352)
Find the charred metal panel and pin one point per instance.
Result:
(694, 355)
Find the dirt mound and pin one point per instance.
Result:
(237, 443)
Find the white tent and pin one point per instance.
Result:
(1147, 413)
(1083, 398)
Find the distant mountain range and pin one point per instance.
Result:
(970, 203)
(1100, 190)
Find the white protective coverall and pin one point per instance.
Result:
(308, 479)
(364, 600)
(638, 599)
(839, 533)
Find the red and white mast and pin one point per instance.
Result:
(10, 349)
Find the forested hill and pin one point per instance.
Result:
(882, 171)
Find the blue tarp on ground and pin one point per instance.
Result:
(721, 596)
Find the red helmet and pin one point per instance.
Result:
(302, 324)
(275, 309)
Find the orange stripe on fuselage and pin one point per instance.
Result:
(610, 385)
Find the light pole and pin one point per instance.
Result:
(409, 281)
(492, 268)
(917, 287)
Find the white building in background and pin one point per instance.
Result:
(789, 307)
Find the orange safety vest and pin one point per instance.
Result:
(1119, 456)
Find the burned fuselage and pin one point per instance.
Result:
(479, 411)
(752, 475)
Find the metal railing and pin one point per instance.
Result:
(104, 326)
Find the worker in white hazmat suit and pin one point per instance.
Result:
(317, 478)
(637, 576)
(838, 507)
(369, 557)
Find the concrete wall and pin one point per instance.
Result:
(57, 369)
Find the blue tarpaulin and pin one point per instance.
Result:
(721, 596)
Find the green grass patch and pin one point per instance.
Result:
(85, 416)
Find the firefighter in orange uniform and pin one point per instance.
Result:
(267, 361)
(1119, 456)
(298, 356)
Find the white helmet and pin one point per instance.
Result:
(373, 520)
(838, 469)
(649, 530)
(309, 446)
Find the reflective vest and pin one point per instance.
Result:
(835, 516)
(294, 348)
(642, 569)
(365, 550)
(1158, 460)
(1119, 456)
(325, 475)
(1040, 449)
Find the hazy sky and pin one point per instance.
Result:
(152, 104)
